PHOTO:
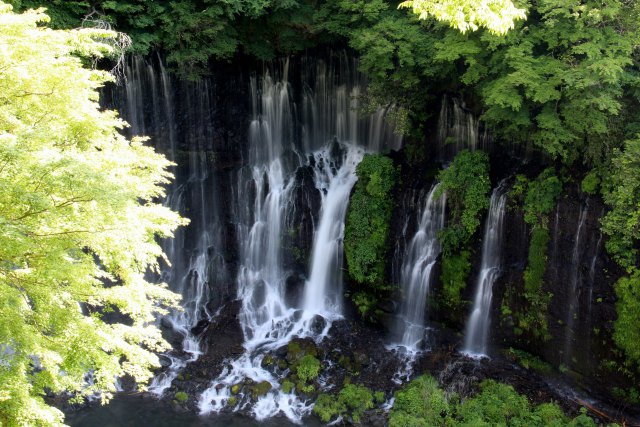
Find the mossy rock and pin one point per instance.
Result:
(181, 397)
(235, 389)
(287, 386)
(297, 349)
(345, 363)
(282, 364)
(260, 389)
(267, 360)
(232, 401)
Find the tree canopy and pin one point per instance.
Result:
(78, 225)
(498, 16)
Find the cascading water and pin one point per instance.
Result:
(416, 273)
(575, 280)
(477, 332)
(458, 129)
(329, 129)
(148, 102)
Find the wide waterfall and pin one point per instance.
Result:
(477, 332)
(326, 141)
(416, 273)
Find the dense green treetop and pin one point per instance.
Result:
(498, 16)
(78, 225)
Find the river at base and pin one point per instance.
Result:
(127, 410)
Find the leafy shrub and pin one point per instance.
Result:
(540, 198)
(627, 332)
(466, 183)
(353, 400)
(621, 191)
(308, 368)
(367, 224)
(455, 270)
(590, 183)
(420, 403)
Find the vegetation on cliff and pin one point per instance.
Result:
(367, 228)
(466, 186)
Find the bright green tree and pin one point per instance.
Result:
(79, 227)
(498, 16)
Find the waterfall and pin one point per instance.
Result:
(416, 273)
(574, 281)
(458, 128)
(477, 332)
(150, 104)
(317, 132)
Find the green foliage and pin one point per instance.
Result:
(79, 226)
(528, 361)
(287, 386)
(420, 403)
(353, 400)
(590, 183)
(497, 16)
(557, 79)
(455, 272)
(534, 317)
(367, 223)
(627, 333)
(181, 397)
(192, 32)
(466, 185)
(308, 368)
(540, 197)
(496, 404)
(621, 191)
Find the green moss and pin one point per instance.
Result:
(181, 396)
(232, 401)
(235, 389)
(287, 386)
(260, 389)
(267, 360)
(528, 361)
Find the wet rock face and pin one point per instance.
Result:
(222, 340)
(302, 214)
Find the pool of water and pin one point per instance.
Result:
(139, 411)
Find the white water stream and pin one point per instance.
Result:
(478, 326)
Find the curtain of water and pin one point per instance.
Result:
(332, 141)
